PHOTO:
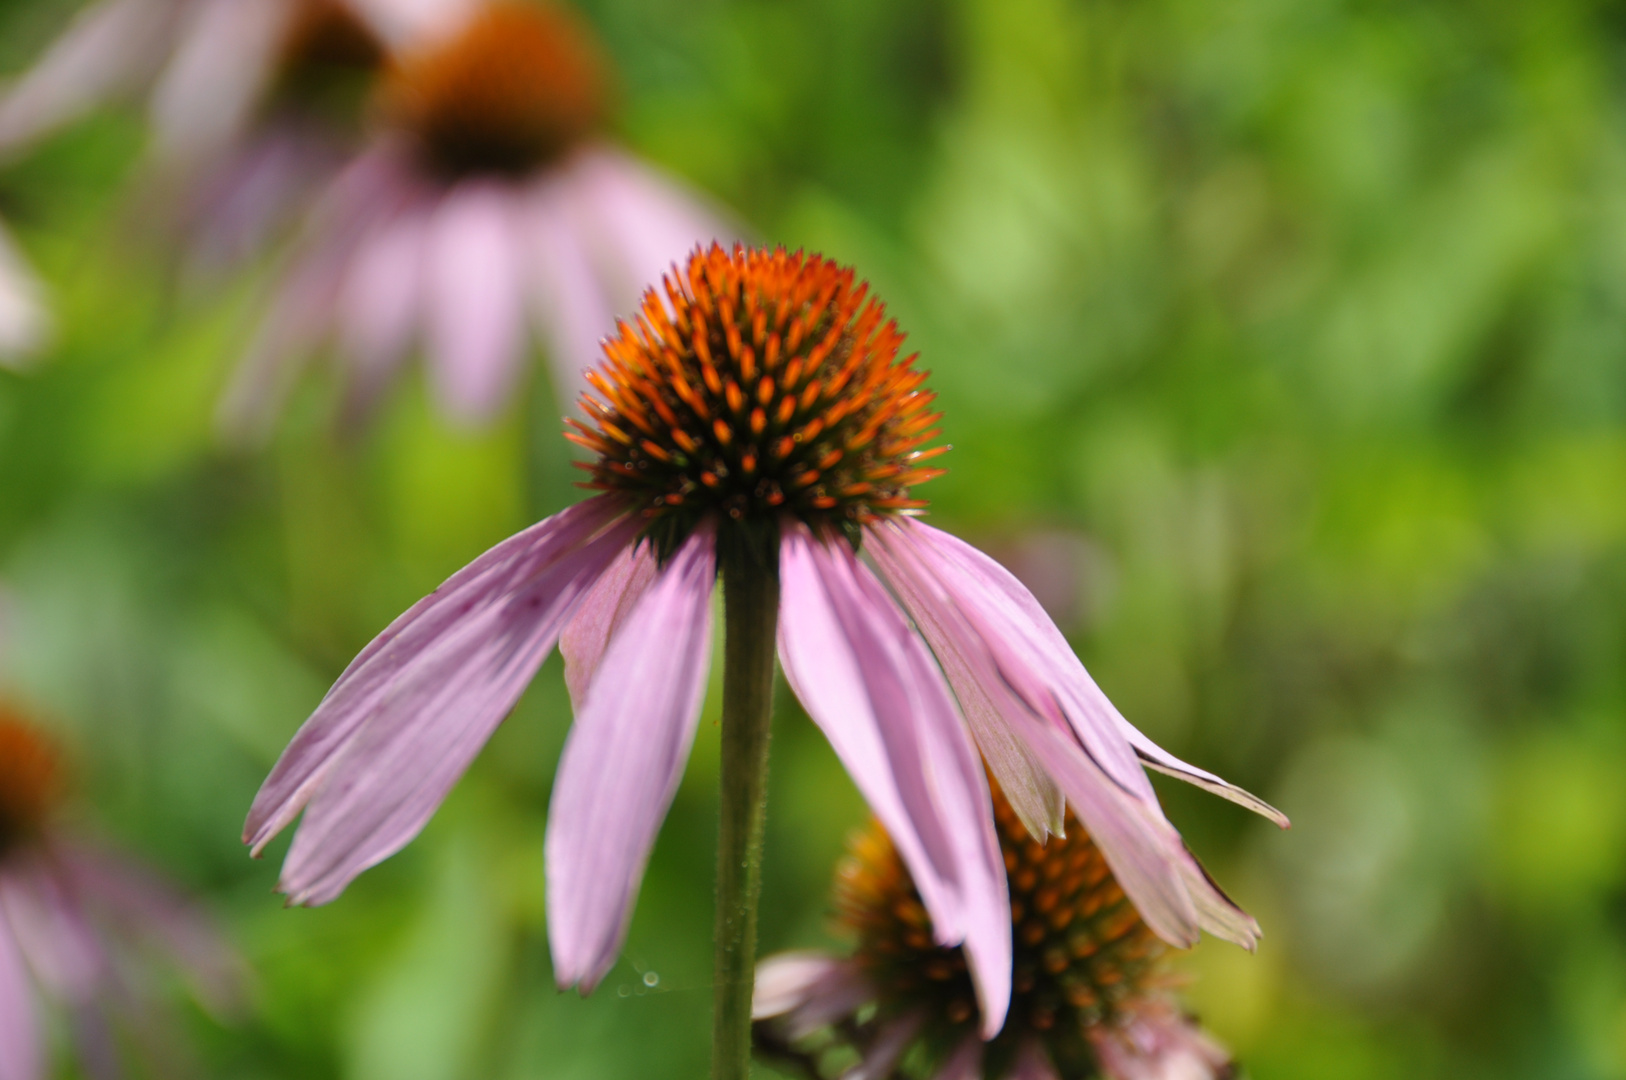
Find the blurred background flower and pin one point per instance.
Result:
(85, 929)
(1307, 320)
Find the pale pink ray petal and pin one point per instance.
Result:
(573, 313)
(20, 1056)
(644, 220)
(788, 980)
(380, 308)
(139, 906)
(62, 950)
(403, 24)
(601, 617)
(809, 990)
(435, 715)
(888, 1046)
(870, 684)
(304, 309)
(622, 763)
(25, 323)
(1031, 1063)
(1013, 612)
(480, 594)
(1028, 786)
(238, 204)
(475, 300)
(965, 1063)
(109, 49)
(214, 79)
(1158, 1044)
(1145, 852)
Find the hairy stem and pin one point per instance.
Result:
(750, 615)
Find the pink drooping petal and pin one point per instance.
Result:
(137, 906)
(1031, 1063)
(1158, 1044)
(304, 309)
(867, 680)
(622, 763)
(809, 990)
(20, 1057)
(887, 1047)
(25, 324)
(215, 77)
(573, 311)
(380, 309)
(404, 24)
(476, 299)
(410, 713)
(1018, 682)
(644, 220)
(111, 48)
(62, 949)
(965, 1063)
(233, 208)
(1011, 611)
(601, 615)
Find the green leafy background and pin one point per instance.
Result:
(1290, 333)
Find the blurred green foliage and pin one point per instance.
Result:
(1302, 323)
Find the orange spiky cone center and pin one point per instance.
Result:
(30, 780)
(516, 87)
(1081, 952)
(763, 384)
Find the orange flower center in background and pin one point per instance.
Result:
(515, 88)
(329, 57)
(1081, 952)
(765, 383)
(30, 779)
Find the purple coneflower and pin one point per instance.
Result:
(79, 923)
(250, 102)
(1089, 997)
(488, 201)
(755, 424)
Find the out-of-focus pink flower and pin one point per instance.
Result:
(250, 104)
(80, 927)
(1090, 996)
(761, 409)
(489, 205)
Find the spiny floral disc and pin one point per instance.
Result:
(1081, 952)
(765, 384)
(517, 87)
(29, 779)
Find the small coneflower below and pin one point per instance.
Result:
(82, 926)
(1089, 987)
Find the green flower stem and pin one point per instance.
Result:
(750, 616)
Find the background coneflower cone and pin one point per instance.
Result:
(30, 779)
(1084, 963)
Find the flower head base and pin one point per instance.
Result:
(515, 88)
(328, 57)
(30, 780)
(1082, 957)
(766, 384)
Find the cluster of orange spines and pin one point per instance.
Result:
(30, 778)
(517, 86)
(765, 383)
(1081, 953)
